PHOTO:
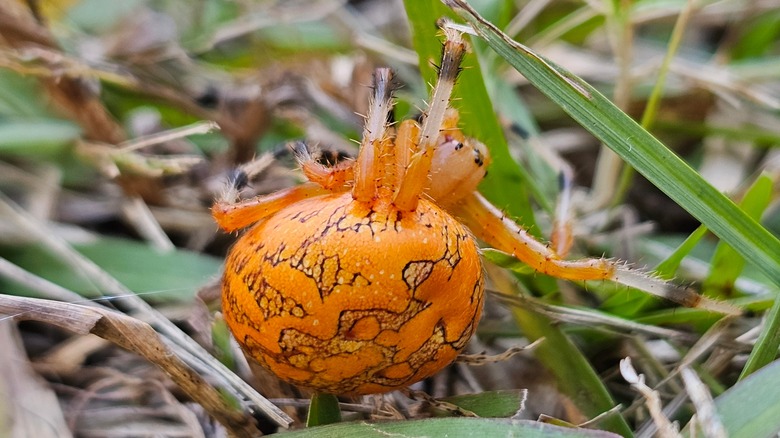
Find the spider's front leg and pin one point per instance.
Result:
(489, 224)
(233, 214)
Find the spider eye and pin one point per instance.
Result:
(478, 159)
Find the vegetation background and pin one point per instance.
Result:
(110, 156)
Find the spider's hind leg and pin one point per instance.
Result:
(490, 225)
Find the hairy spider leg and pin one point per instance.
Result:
(489, 224)
(232, 216)
(335, 178)
(369, 170)
(562, 237)
(416, 177)
(366, 175)
(405, 144)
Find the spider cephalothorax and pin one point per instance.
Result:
(368, 278)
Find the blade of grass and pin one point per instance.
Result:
(765, 350)
(637, 147)
(433, 427)
(324, 409)
(751, 407)
(654, 101)
(574, 375)
(726, 265)
(496, 404)
(668, 267)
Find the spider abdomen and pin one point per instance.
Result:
(347, 297)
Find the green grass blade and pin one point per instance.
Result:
(442, 427)
(324, 409)
(637, 147)
(765, 350)
(751, 408)
(157, 276)
(726, 264)
(496, 404)
(574, 375)
(668, 267)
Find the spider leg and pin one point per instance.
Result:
(490, 225)
(233, 215)
(329, 177)
(562, 237)
(405, 143)
(369, 169)
(416, 177)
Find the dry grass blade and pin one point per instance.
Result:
(31, 407)
(438, 404)
(19, 28)
(717, 334)
(187, 349)
(136, 336)
(482, 359)
(653, 401)
(705, 406)
(590, 317)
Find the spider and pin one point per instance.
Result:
(368, 278)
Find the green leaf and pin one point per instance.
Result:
(726, 264)
(221, 338)
(506, 260)
(765, 350)
(637, 147)
(324, 409)
(751, 408)
(36, 138)
(496, 404)
(668, 267)
(158, 276)
(758, 36)
(574, 375)
(442, 427)
(21, 97)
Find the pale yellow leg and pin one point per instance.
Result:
(437, 118)
(334, 177)
(368, 171)
(232, 216)
(490, 225)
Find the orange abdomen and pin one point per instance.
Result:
(334, 295)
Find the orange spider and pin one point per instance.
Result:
(368, 277)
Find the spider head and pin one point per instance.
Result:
(459, 165)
